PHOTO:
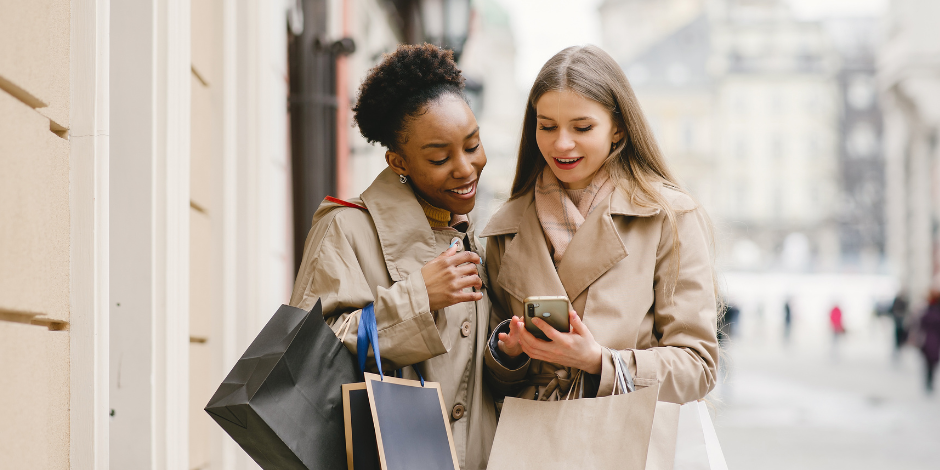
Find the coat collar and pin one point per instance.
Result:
(407, 239)
(527, 269)
(508, 218)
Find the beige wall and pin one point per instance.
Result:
(34, 234)
(205, 254)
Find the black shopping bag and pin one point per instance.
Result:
(394, 423)
(282, 402)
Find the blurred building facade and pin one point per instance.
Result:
(488, 61)
(909, 86)
(156, 164)
(747, 102)
(861, 210)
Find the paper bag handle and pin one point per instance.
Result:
(622, 380)
(368, 335)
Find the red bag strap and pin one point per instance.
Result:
(345, 203)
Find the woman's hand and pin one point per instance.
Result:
(446, 277)
(510, 343)
(574, 349)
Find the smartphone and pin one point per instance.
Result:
(553, 310)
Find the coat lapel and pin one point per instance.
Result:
(526, 268)
(406, 237)
(595, 248)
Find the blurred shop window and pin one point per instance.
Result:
(862, 141)
(861, 92)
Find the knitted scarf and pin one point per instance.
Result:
(559, 216)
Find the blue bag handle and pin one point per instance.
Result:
(368, 335)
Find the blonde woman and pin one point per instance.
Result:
(596, 216)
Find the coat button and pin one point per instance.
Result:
(459, 243)
(465, 329)
(458, 411)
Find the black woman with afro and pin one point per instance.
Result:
(406, 246)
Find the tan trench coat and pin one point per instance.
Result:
(614, 271)
(353, 257)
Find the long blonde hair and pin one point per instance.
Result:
(636, 163)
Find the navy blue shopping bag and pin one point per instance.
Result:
(393, 423)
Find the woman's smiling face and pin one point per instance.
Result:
(575, 135)
(444, 155)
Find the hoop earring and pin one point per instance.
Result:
(403, 179)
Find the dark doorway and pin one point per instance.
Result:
(313, 102)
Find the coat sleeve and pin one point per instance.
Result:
(330, 271)
(502, 376)
(685, 360)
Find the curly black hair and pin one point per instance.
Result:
(397, 89)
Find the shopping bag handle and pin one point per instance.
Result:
(623, 381)
(368, 335)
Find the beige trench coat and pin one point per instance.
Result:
(614, 271)
(353, 257)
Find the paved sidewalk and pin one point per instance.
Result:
(802, 406)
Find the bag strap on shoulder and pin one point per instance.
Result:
(345, 203)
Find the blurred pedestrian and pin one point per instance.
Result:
(899, 310)
(835, 321)
(728, 322)
(930, 337)
(787, 320)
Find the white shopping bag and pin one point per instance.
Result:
(697, 445)
(662, 449)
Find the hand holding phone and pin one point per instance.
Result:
(552, 310)
(572, 347)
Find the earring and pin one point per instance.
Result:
(403, 179)
(613, 145)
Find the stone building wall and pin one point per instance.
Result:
(34, 234)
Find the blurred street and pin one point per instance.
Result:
(805, 405)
